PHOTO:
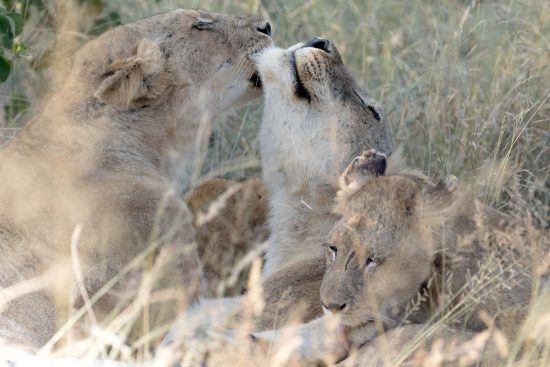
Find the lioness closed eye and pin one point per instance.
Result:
(110, 153)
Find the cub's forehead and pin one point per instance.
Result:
(379, 213)
(365, 226)
(385, 196)
(366, 238)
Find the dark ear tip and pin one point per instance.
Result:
(373, 162)
(380, 165)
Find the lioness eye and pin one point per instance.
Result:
(202, 24)
(370, 263)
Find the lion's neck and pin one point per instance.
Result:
(299, 221)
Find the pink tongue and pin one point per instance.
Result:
(341, 336)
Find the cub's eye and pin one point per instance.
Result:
(332, 250)
(371, 263)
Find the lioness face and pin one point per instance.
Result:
(379, 254)
(152, 61)
(218, 50)
(312, 102)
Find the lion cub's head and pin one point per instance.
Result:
(314, 107)
(380, 252)
(149, 62)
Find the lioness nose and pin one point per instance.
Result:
(265, 28)
(335, 307)
(320, 43)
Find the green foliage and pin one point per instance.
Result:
(22, 5)
(17, 106)
(11, 26)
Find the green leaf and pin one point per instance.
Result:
(5, 69)
(9, 25)
(6, 40)
(4, 22)
(18, 23)
(8, 4)
(20, 49)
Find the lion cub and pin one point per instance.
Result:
(407, 250)
(316, 119)
(400, 235)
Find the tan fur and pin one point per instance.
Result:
(418, 238)
(292, 294)
(113, 150)
(406, 345)
(316, 119)
(399, 218)
(400, 235)
(28, 317)
(230, 220)
(305, 144)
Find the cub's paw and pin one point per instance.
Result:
(359, 336)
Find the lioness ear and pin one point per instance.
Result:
(129, 80)
(369, 164)
(369, 104)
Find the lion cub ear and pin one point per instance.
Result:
(135, 80)
(443, 201)
(363, 168)
(368, 165)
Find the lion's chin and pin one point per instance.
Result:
(299, 89)
(354, 337)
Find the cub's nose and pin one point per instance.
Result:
(264, 28)
(335, 307)
(320, 43)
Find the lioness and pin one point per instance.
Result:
(316, 119)
(111, 152)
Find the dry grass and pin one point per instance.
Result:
(465, 86)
